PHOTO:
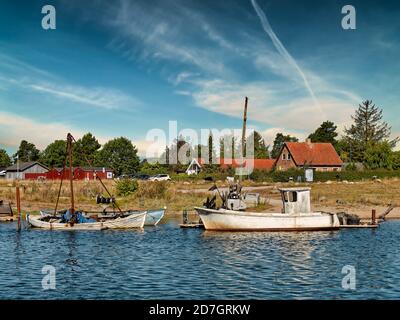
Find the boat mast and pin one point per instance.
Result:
(69, 142)
(243, 134)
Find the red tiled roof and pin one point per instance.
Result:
(259, 164)
(317, 154)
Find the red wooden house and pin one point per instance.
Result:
(79, 173)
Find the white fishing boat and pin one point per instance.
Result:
(295, 216)
(131, 221)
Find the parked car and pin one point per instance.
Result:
(160, 177)
(142, 177)
(125, 176)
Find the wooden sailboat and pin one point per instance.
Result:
(76, 220)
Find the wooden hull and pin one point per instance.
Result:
(132, 221)
(228, 220)
(153, 217)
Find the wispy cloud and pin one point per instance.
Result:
(14, 128)
(282, 50)
(98, 97)
(14, 72)
(209, 72)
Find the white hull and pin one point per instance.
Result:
(229, 220)
(153, 217)
(132, 221)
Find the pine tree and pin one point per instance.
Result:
(368, 129)
(260, 149)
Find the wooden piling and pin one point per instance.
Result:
(18, 196)
(373, 217)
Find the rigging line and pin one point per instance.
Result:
(97, 177)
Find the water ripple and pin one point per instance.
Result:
(171, 263)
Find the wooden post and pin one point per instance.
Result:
(243, 135)
(373, 216)
(18, 207)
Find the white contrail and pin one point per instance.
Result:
(282, 50)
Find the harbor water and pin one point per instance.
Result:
(166, 262)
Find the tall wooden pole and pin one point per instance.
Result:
(71, 174)
(243, 134)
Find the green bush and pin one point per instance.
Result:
(126, 187)
(349, 175)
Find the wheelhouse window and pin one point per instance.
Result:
(290, 196)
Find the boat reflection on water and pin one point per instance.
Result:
(286, 259)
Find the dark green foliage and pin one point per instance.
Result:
(152, 169)
(378, 155)
(261, 151)
(279, 141)
(5, 160)
(120, 155)
(367, 130)
(326, 132)
(26, 152)
(348, 174)
(85, 150)
(54, 154)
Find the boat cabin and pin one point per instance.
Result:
(296, 200)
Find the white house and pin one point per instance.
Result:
(194, 167)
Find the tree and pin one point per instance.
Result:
(344, 149)
(279, 141)
(180, 152)
(54, 154)
(211, 150)
(200, 150)
(378, 155)
(326, 132)
(5, 160)
(228, 146)
(396, 160)
(260, 149)
(120, 155)
(368, 129)
(85, 149)
(26, 152)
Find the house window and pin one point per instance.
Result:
(289, 156)
(283, 156)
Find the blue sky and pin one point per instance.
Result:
(121, 68)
